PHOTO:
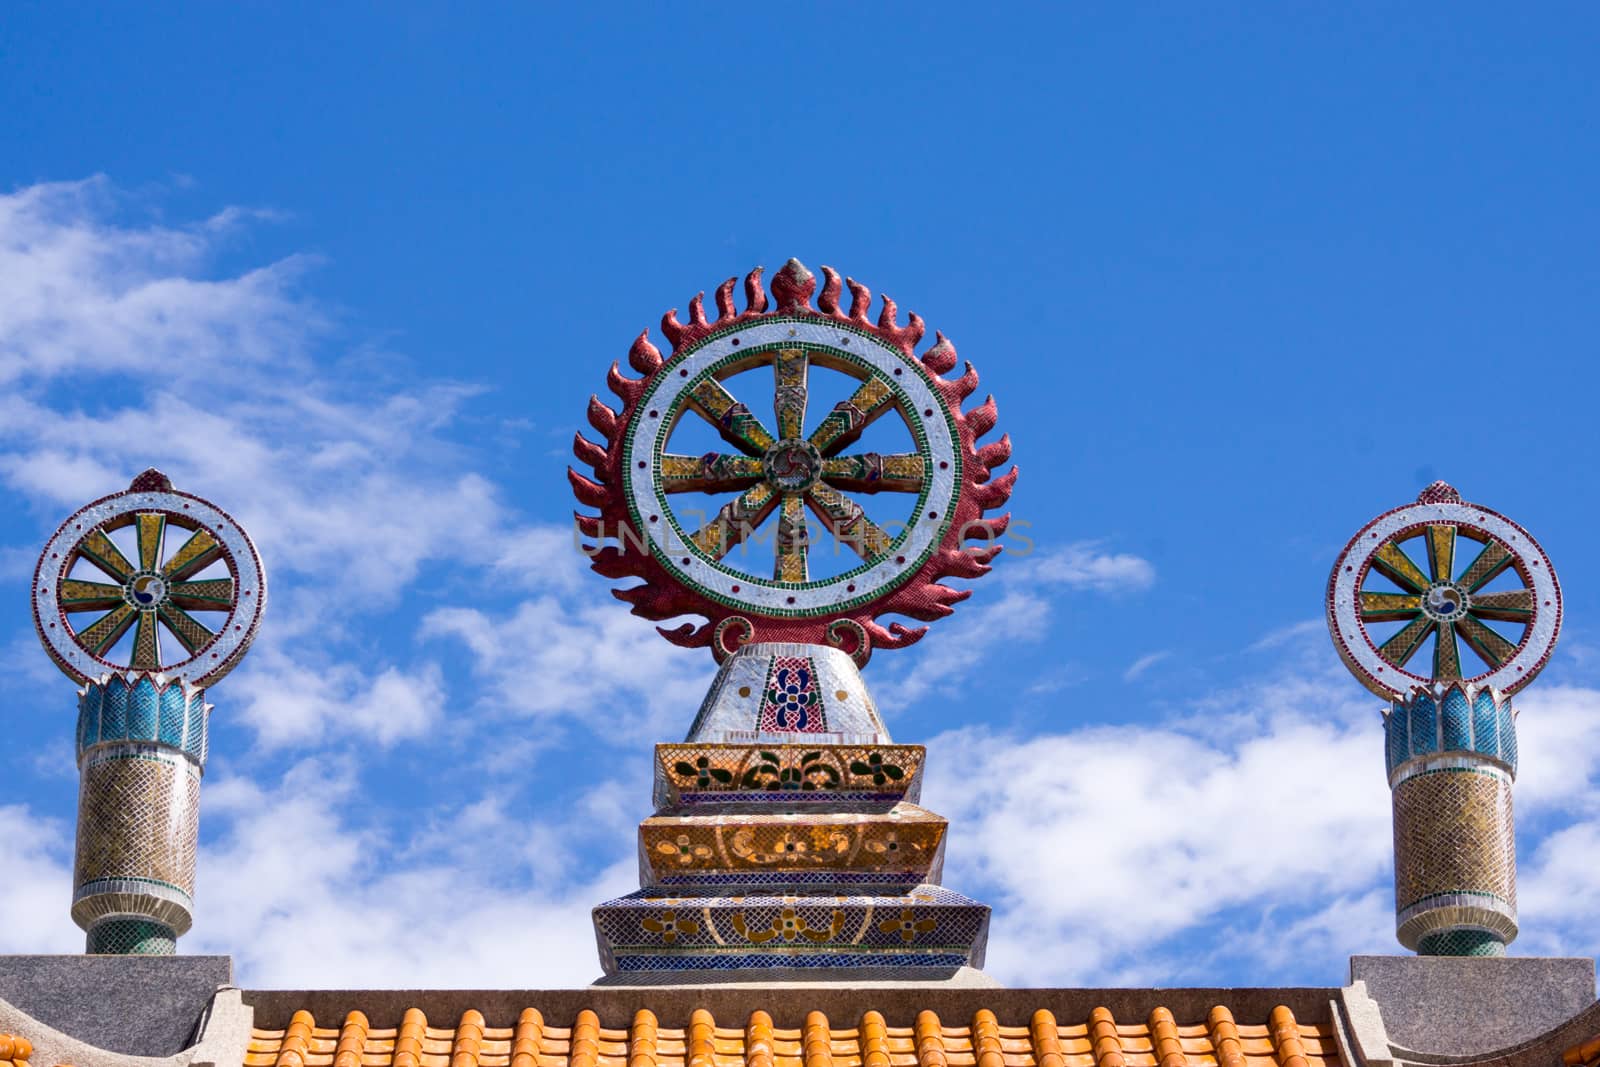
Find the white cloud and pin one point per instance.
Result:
(1115, 839)
(1083, 566)
(475, 898)
(37, 887)
(83, 297)
(288, 702)
(548, 659)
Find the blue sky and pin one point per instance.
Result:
(1237, 280)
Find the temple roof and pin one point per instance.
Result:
(1101, 1040)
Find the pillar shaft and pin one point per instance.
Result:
(1452, 764)
(141, 751)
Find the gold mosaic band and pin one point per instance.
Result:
(905, 840)
(138, 826)
(1455, 861)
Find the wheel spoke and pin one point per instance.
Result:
(185, 627)
(869, 472)
(1442, 552)
(793, 540)
(1398, 568)
(213, 594)
(737, 520)
(152, 526)
(75, 596)
(1494, 559)
(1512, 605)
(732, 419)
(99, 550)
(848, 418)
(789, 400)
(1490, 646)
(197, 553)
(1446, 655)
(108, 631)
(1399, 649)
(1389, 607)
(146, 647)
(714, 472)
(847, 522)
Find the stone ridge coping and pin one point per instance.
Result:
(224, 1039)
(1546, 1050)
(788, 1006)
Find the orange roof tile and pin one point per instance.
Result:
(1585, 1055)
(1099, 1041)
(14, 1050)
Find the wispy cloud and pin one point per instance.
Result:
(1144, 663)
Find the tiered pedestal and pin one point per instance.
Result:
(798, 849)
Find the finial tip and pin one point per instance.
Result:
(151, 481)
(1439, 493)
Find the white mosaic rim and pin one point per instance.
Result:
(213, 660)
(648, 437)
(1351, 570)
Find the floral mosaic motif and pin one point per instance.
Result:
(791, 701)
(811, 771)
(908, 926)
(683, 850)
(817, 845)
(669, 925)
(703, 772)
(789, 924)
(875, 768)
(889, 844)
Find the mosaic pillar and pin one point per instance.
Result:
(1472, 587)
(145, 598)
(1452, 755)
(787, 834)
(141, 754)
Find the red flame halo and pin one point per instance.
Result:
(917, 594)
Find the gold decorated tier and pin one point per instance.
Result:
(693, 774)
(905, 843)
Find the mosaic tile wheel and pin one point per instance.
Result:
(187, 587)
(1457, 575)
(779, 473)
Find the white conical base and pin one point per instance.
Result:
(746, 702)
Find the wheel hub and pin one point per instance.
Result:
(792, 466)
(1445, 603)
(145, 590)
